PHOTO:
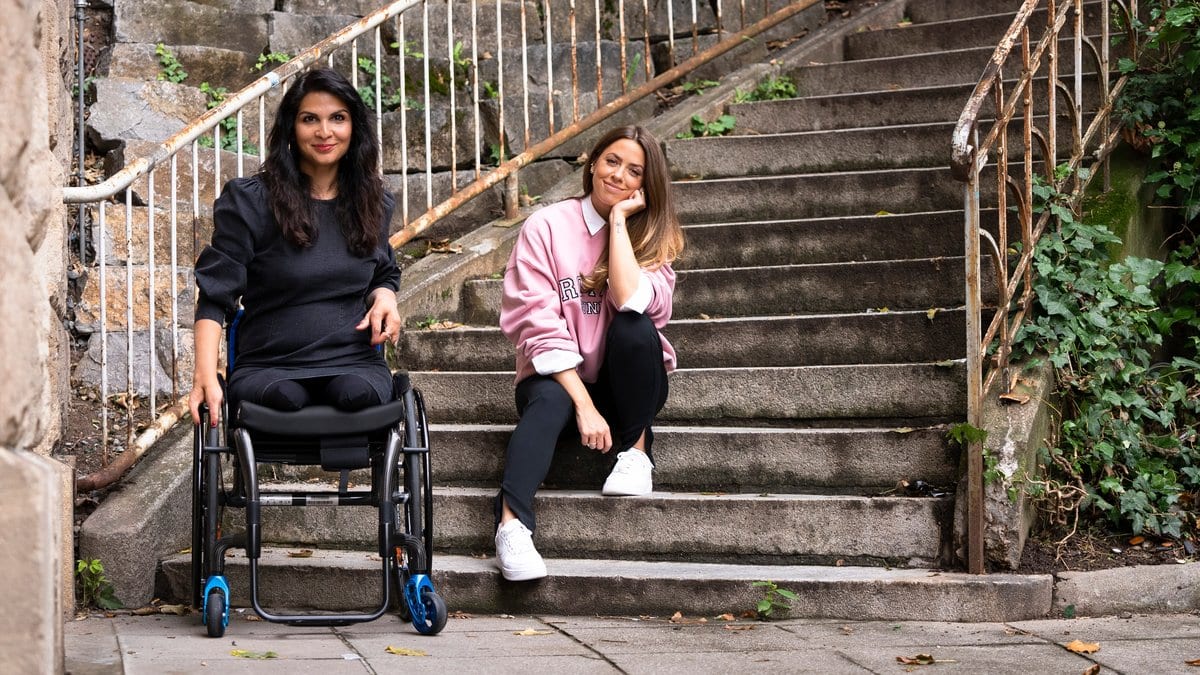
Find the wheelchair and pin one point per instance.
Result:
(391, 440)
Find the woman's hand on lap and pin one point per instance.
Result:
(383, 318)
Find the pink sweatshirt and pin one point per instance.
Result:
(554, 324)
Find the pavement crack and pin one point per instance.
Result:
(350, 645)
(585, 645)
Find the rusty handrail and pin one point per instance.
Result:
(968, 157)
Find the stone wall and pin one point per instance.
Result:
(35, 551)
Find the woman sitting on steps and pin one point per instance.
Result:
(587, 287)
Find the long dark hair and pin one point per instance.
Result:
(359, 185)
(654, 231)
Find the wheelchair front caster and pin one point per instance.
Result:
(216, 614)
(427, 609)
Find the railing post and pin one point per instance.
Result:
(512, 199)
(974, 449)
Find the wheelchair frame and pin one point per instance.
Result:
(392, 438)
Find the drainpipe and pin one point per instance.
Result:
(80, 149)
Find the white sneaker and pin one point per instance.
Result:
(516, 557)
(630, 477)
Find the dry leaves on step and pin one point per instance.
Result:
(459, 614)
(1193, 662)
(177, 610)
(532, 631)
(678, 617)
(404, 651)
(302, 553)
(726, 617)
(1081, 647)
(745, 626)
(1093, 670)
(442, 246)
(922, 660)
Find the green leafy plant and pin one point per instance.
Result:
(266, 60)
(631, 71)
(718, 127)
(94, 588)
(1160, 104)
(172, 69)
(428, 322)
(769, 89)
(1132, 400)
(698, 86)
(216, 96)
(775, 599)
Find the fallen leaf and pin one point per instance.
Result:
(727, 617)
(1193, 662)
(1081, 647)
(931, 313)
(916, 660)
(741, 627)
(247, 654)
(177, 610)
(459, 614)
(903, 430)
(404, 651)
(145, 611)
(1010, 397)
(704, 316)
(302, 553)
(252, 617)
(533, 631)
(677, 616)
(1093, 670)
(847, 630)
(883, 213)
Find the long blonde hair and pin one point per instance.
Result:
(654, 231)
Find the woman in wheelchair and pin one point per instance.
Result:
(303, 245)
(587, 287)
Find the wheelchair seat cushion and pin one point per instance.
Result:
(317, 420)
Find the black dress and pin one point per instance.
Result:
(301, 304)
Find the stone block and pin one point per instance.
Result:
(146, 518)
(152, 110)
(88, 370)
(441, 46)
(240, 25)
(665, 17)
(217, 66)
(119, 248)
(1142, 588)
(204, 182)
(31, 635)
(294, 33)
(324, 7)
(1015, 432)
(749, 51)
(87, 311)
(412, 133)
(613, 77)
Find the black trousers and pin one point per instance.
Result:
(344, 392)
(629, 391)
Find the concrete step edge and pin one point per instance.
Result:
(641, 588)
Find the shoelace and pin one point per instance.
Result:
(625, 462)
(518, 540)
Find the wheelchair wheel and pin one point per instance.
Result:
(215, 614)
(435, 613)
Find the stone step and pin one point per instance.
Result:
(871, 108)
(925, 11)
(949, 34)
(821, 195)
(804, 528)
(915, 284)
(834, 460)
(821, 240)
(901, 390)
(822, 339)
(349, 580)
(959, 66)
(889, 147)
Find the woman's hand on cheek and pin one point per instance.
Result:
(629, 206)
(383, 318)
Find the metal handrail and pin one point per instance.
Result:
(166, 154)
(968, 158)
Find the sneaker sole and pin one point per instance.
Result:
(523, 575)
(624, 493)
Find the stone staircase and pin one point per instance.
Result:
(819, 323)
